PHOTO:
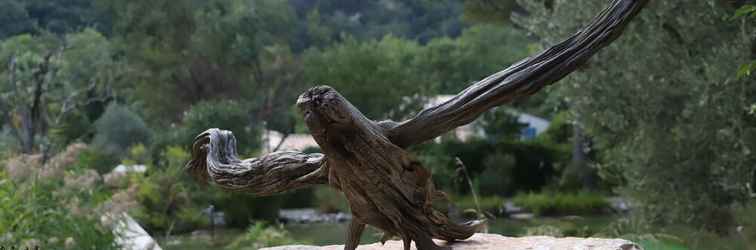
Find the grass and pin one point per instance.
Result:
(549, 204)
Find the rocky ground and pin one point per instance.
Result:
(497, 242)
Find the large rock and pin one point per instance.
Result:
(498, 242)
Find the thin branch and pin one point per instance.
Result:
(519, 80)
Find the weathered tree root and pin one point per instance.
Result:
(385, 186)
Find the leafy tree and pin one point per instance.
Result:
(665, 107)
(359, 70)
(489, 11)
(187, 51)
(47, 78)
(453, 63)
(421, 21)
(14, 19)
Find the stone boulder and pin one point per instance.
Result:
(497, 242)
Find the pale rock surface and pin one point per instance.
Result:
(497, 242)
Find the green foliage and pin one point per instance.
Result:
(242, 209)
(14, 19)
(664, 106)
(328, 20)
(498, 167)
(62, 76)
(546, 203)
(165, 204)
(359, 70)
(180, 50)
(496, 178)
(118, 129)
(487, 203)
(261, 235)
(228, 115)
(93, 158)
(43, 213)
(500, 125)
(488, 11)
(452, 64)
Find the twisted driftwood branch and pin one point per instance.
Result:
(386, 187)
(214, 159)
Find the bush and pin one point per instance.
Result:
(72, 127)
(118, 129)
(49, 215)
(260, 235)
(165, 203)
(92, 158)
(562, 204)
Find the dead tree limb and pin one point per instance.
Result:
(385, 186)
(214, 159)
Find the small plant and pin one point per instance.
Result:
(562, 203)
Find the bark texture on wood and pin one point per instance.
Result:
(385, 186)
(214, 160)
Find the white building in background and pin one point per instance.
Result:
(535, 126)
(299, 142)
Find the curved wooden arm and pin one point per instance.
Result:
(214, 160)
(519, 80)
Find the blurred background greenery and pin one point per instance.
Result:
(663, 120)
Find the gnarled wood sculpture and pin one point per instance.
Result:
(385, 186)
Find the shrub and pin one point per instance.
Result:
(164, 197)
(47, 215)
(562, 203)
(92, 158)
(118, 129)
(260, 235)
(72, 127)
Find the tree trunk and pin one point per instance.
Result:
(385, 186)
